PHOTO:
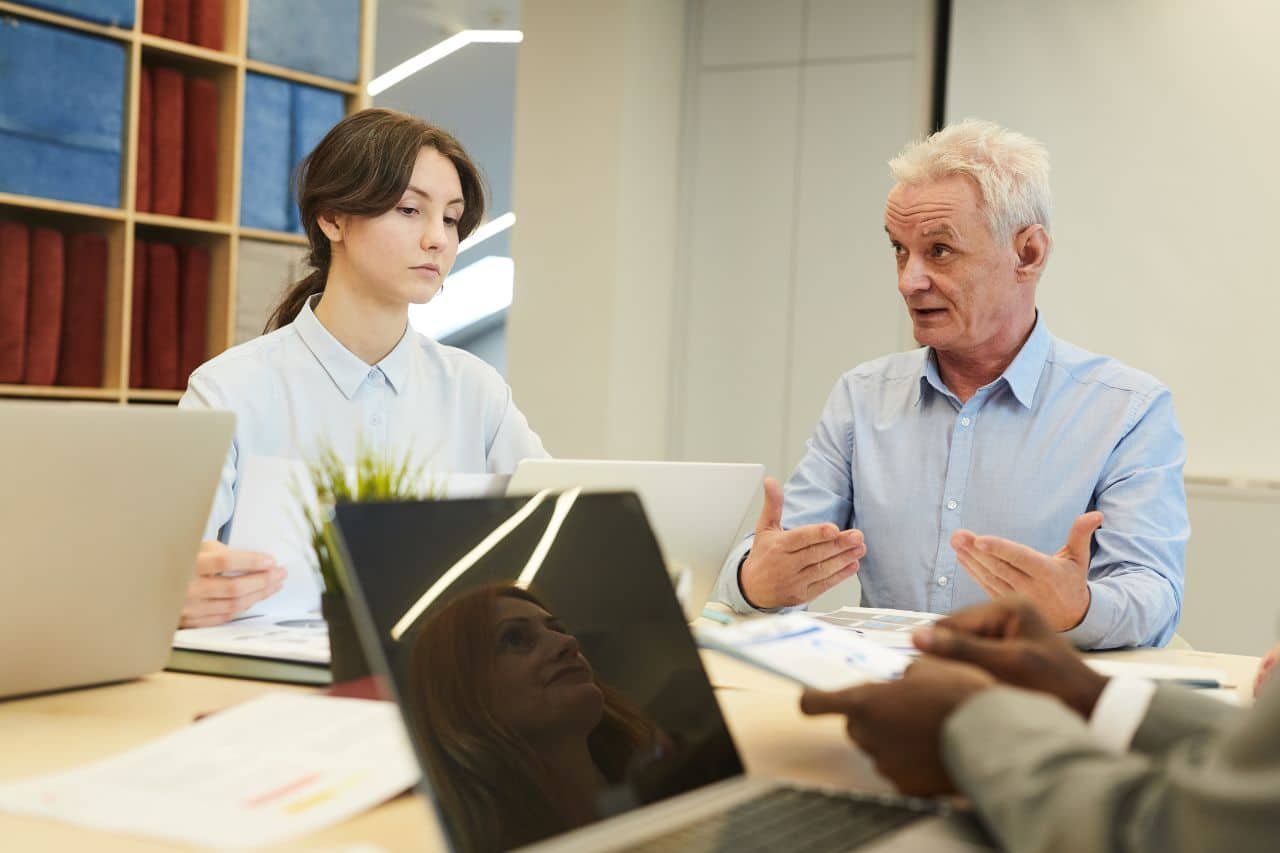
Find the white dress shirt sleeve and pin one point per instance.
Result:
(514, 439)
(202, 394)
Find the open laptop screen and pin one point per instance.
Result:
(541, 660)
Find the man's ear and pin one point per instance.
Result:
(333, 225)
(1032, 245)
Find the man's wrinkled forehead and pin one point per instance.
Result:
(934, 222)
(929, 210)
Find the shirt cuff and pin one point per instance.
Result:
(1098, 620)
(1119, 711)
(728, 590)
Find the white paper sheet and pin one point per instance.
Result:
(263, 772)
(273, 496)
(279, 637)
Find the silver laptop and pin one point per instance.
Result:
(555, 698)
(696, 508)
(101, 512)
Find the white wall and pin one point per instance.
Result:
(598, 99)
(1161, 120)
(1230, 602)
(786, 277)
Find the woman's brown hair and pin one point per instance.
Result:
(488, 779)
(361, 168)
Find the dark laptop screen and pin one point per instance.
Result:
(544, 668)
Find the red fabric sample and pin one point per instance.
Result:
(177, 19)
(166, 141)
(138, 315)
(162, 316)
(207, 21)
(200, 149)
(194, 305)
(15, 272)
(44, 307)
(84, 311)
(153, 17)
(146, 154)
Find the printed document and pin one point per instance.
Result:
(272, 769)
(885, 627)
(305, 638)
(805, 649)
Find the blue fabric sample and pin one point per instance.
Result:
(315, 111)
(264, 185)
(61, 113)
(319, 36)
(113, 13)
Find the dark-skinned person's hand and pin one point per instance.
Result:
(1011, 640)
(899, 723)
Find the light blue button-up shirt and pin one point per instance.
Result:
(298, 389)
(1061, 432)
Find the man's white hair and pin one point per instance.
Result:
(1011, 170)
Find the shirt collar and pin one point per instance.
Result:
(1022, 375)
(395, 365)
(345, 368)
(929, 376)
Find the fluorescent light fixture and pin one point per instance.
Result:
(564, 503)
(439, 51)
(474, 293)
(487, 230)
(468, 560)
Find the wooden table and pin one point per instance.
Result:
(60, 731)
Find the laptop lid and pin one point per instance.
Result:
(696, 509)
(541, 662)
(101, 514)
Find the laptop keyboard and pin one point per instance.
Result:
(791, 819)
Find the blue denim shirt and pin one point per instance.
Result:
(1061, 432)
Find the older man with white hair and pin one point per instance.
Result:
(989, 447)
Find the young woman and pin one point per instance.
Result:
(385, 198)
(520, 735)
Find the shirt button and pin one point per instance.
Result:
(942, 581)
(952, 504)
(376, 420)
(964, 422)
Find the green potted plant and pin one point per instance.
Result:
(373, 477)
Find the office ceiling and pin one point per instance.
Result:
(470, 93)
(407, 27)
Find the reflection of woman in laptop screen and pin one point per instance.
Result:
(384, 199)
(520, 737)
